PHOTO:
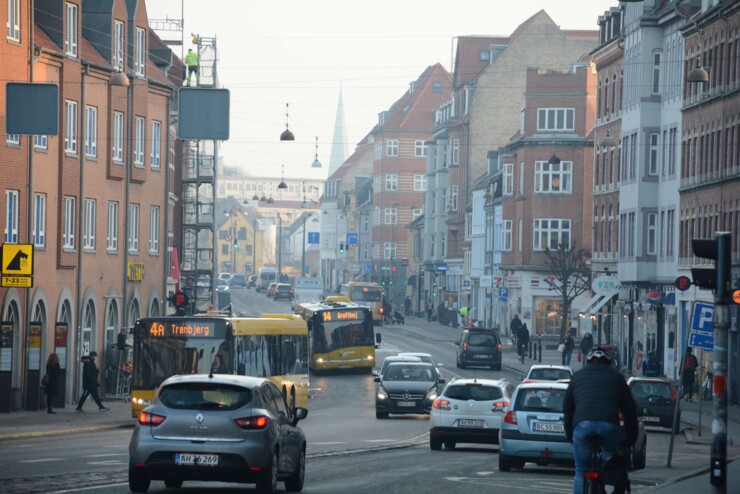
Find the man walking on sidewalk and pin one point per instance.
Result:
(90, 384)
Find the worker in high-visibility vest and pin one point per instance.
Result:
(192, 61)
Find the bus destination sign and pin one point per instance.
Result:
(190, 328)
(343, 315)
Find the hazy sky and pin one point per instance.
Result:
(299, 52)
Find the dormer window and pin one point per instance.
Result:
(140, 51)
(70, 35)
(118, 45)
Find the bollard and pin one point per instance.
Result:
(539, 344)
(531, 347)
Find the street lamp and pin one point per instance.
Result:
(287, 135)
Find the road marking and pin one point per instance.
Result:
(328, 443)
(105, 454)
(41, 460)
(378, 440)
(109, 462)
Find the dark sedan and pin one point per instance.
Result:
(407, 388)
(283, 291)
(656, 401)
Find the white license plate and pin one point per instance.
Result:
(548, 427)
(193, 459)
(406, 403)
(651, 419)
(482, 356)
(470, 423)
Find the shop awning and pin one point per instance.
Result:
(589, 304)
(599, 305)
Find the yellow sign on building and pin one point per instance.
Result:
(17, 259)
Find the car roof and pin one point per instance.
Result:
(412, 363)
(550, 366)
(414, 354)
(283, 284)
(402, 358)
(247, 381)
(661, 380)
(543, 384)
(483, 382)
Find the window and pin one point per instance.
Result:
(118, 45)
(455, 152)
(506, 237)
(70, 128)
(156, 143)
(13, 139)
(68, 232)
(654, 148)
(133, 228)
(553, 178)
(90, 219)
(365, 222)
(484, 55)
(11, 216)
(40, 142)
(154, 230)
(139, 142)
(670, 229)
(391, 216)
(415, 213)
(420, 183)
(70, 36)
(118, 136)
(420, 149)
(550, 233)
(508, 179)
(656, 72)
(140, 51)
(391, 181)
(14, 19)
(555, 118)
(454, 197)
(389, 250)
(521, 178)
(391, 147)
(112, 238)
(91, 139)
(39, 220)
(436, 88)
(652, 233)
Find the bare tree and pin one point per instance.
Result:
(570, 276)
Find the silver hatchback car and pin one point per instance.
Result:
(218, 428)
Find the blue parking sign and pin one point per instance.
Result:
(701, 334)
(503, 294)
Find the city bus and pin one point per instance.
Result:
(368, 294)
(341, 336)
(271, 346)
(265, 277)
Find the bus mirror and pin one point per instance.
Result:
(378, 338)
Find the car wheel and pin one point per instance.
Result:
(137, 482)
(267, 484)
(173, 483)
(496, 367)
(295, 482)
(450, 444)
(381, 415)
(640, 461)
(435, 444)
(517, 464)
(504, 463)
(457, 364)
(462, 364)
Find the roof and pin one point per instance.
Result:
(468, 64)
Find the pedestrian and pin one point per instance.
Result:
(407, 306)
(53, 371)
(651, 365)
(587, 343)
(690, 364)
(192, 60)
(568, 345)
(463, 316)
(387, 312)
(90, 384)
(515, 326)
(440, 313)
(522, 341)
(430, 311)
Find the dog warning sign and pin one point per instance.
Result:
(17, 259)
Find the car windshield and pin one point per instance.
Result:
(473, 392)
(388, 362)
(400, 372)
(204, 396)
(645, 390)
(481, 339)
(549, 374)
(540, 400)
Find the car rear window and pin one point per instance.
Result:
(549, 374)
(472, 392)
(481, 339)
(204, 396)
(643, 390)
(540, 400)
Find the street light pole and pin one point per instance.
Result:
(303, 245)
(279, 245)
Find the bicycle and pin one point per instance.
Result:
(591, 477)
(611, 476)
(706, 387)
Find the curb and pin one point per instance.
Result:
(61, 432)
(688, 475)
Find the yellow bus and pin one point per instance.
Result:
(272, 346)
(368, 294)
(341, 336)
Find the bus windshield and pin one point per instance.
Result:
(328, 335)
(364, 294)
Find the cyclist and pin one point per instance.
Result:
(593, 401)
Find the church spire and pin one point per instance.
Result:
(339, 146)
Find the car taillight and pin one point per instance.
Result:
(465, 346)
(150, 418)
(673, 393)
(510, 417)
(441, 404)
(499, 346)
(499, 406)
(253, 422)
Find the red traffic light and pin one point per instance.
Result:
(393, 268)
(181, 299)
(682, 283)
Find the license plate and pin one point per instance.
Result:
(651, 419)
(193, 459)
(548, 427)
(406, 403)
(470, 423)
(483, 356)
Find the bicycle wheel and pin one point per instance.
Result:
(591, 486)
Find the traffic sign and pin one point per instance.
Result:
(682, 283)
(17, 259)
(503, 294)
(313, 237)
(18, 281)
(701, 334)
(351, 239)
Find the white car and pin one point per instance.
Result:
(394, 358)
(225, 277)
(544, 372)
(425, 357)
(469, 411)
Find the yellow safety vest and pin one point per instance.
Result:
(191, 59)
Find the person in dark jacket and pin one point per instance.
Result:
(587, 343)
(593, 401)
(90, 384)
(522, 341)
(568, 344)
(53, 370)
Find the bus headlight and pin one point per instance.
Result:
(382, 395)
(141, 402)
(370, 357)
(319, 360)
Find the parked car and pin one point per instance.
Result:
(394, 358)
(543, 372)
(252, 282)
(469, 411)
(271, 289)
(479, 347)
(221, 428)
(656, 401)
(224, 276)
(238, 281)
(222, 286)
(283, 291)
(425, 357)
(407, 387)
(533, 429)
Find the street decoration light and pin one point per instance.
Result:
(287, 135)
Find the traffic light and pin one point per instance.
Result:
(382, 281)
(179, 299)
(341, 247)
(716, 278)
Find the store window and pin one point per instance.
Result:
(548, 316)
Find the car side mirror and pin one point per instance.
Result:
(457, 343)
(299, 414)
(374, 373)
(376, 379)
(441, 380)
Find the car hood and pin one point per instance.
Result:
(407, 386)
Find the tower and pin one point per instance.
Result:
(339, 146)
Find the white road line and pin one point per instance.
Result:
(41, 460)
(379, 440)
(327, 443)
(109, 462)
(105, 454)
